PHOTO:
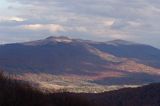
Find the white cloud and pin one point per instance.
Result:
(49, 27)
(77, 28)
(108, 22)
(18, 19)
(12, 18)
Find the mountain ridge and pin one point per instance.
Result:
(64, 39)
(100, 60)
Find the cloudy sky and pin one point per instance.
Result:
(102, 20)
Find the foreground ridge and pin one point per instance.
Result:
(17, 93)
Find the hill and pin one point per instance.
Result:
(18, 93)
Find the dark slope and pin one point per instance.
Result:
(63, 54)
(100, 60)
(49, 57)
(143, 53)
(143, 96)
(17, 93)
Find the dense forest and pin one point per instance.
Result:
(19, 93)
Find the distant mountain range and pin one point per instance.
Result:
(113, 62)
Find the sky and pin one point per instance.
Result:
(98, 20)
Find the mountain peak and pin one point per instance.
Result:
(59, 39)
(50, 40)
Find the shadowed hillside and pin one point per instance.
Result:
(17, 93)
(115, 60)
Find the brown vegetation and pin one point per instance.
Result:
(19, 93)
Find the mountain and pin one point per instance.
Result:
(142, 53)
(51, 55)
(17, 93)
(105, 63)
